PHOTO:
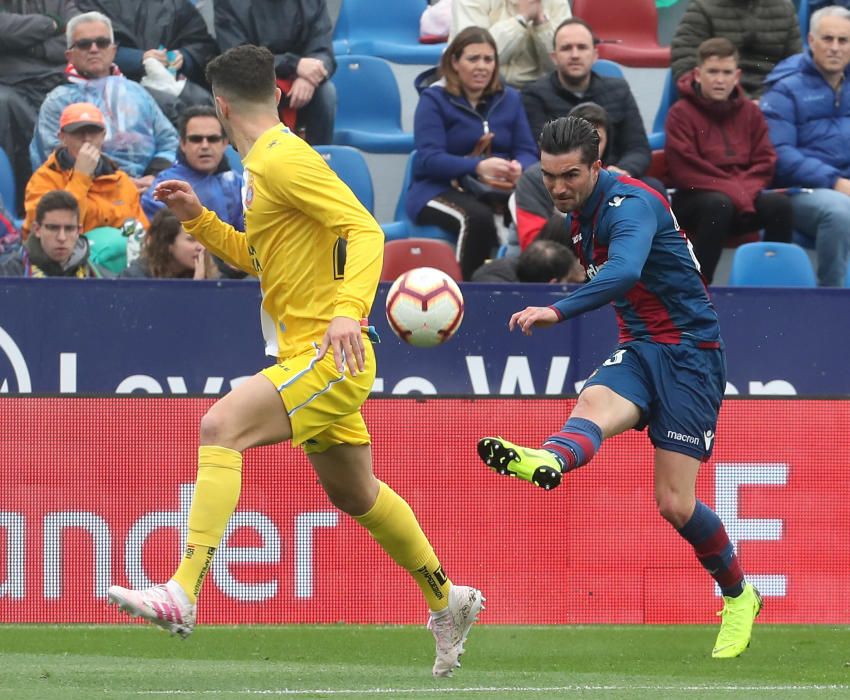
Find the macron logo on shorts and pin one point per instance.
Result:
(681, 437)
(709, 438)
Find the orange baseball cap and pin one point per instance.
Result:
(81, 114)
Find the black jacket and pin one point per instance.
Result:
(290, 29)
(764, 31)
(628, 148)
(32, 41)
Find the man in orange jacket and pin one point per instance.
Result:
(106, 195)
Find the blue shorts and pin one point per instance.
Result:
(678, 389)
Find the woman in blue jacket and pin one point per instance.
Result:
(467, 124)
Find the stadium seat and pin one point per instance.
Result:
(368, 113)
(406, 254)
(627, 29)
(803, 19)
(7, 182)
(233, 159)
(609, 69)
(668, 97)
(771, 265)
(403, 227)
(389, 31)
(350, 165)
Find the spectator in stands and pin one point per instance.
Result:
(106, 196)
(56, 248)
(544, 261)
(574, 82)
(163, 39)
(169, 252)
(763, 31)
(201, 163)
(32, 60)
(299, 34)
(523, 31)
(139, 138)
(9, 234)
(473, 142)
(720, 158)
(597, 116)
(807, 107)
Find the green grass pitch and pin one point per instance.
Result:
(66, 662)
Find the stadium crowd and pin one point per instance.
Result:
(103, 99)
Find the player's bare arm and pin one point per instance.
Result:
(531, 317)
(180, 198)
(344, 338)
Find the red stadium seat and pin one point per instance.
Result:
(628, 30)
(407, 253)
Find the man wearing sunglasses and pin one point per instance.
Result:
(201, 163)
(139, 137)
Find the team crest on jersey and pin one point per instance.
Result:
(616, 201)
(248, 190)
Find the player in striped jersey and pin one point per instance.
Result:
(668, 372)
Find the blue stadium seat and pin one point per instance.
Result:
(803, 19)
(771, 265)
(340, 36)
(233, 159)
(350, 165)
(847, 278)
(7, 182)
(668, 97)
(368, 113)
(389, 31)
(610, 69)
(403, 227)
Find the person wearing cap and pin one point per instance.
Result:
(139, 137)
(106, 195)
(56, 248)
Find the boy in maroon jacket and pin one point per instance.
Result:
(720, 158)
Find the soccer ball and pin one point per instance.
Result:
(424, 307)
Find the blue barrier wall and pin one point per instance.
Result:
(177, 337)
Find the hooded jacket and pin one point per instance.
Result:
(718, 146)
(809, 124)
(107, 199)
(30, 260)
(445, 131)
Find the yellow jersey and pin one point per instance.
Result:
(297, 212)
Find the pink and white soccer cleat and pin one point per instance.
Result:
(165, 605)
(451, 626)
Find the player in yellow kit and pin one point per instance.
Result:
(316, 297)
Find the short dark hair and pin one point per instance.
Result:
(56, 200)
(718, 46)
(555, 229)
(245, 72)
(544, 261)
(196, 111)
(566, 134)
(573, 20)
(465, 37)
(591, 112)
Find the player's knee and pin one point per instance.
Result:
(349, 502)
(213, 429)
(674, 508)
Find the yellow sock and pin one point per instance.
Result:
(216, 495)
(392, 523)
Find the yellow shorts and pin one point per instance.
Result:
(323, 405)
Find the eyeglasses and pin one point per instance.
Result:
(102, 42)
(199, 138)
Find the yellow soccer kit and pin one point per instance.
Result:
(297, 212)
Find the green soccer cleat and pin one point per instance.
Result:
(737, 626)
(540, 467)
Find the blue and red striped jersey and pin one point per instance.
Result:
(637, 258)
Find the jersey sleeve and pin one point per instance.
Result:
(631, 226)
(221, 239)
(312, 187)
